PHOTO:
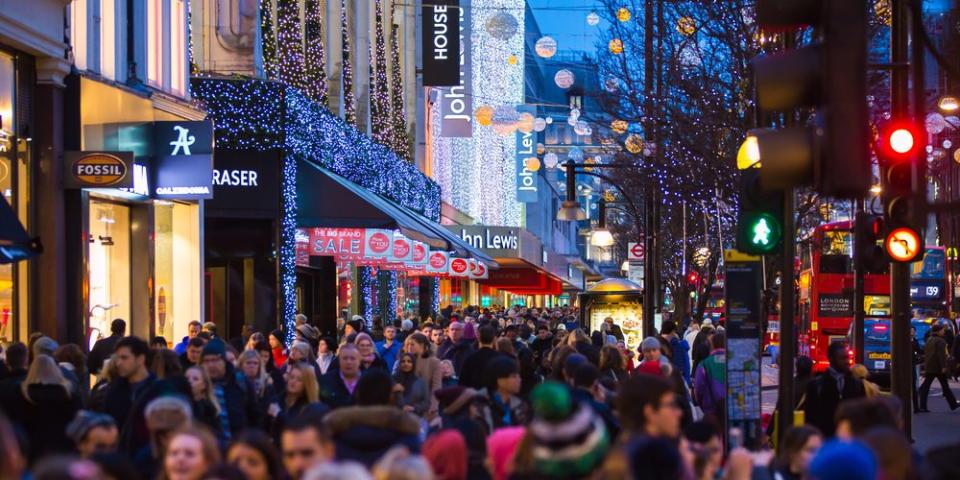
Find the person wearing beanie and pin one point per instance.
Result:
(353, 327)
(93, 433)
(843, 461)
(446, 451)
(501, 448)
(507, 409)
(234, 392)
(564, 439)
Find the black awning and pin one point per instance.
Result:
(15, 244)
(325, 199)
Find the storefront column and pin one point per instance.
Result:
(426, 297)
(50, 292)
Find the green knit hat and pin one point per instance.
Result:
(569, 439)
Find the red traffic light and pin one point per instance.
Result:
(898, 141)
(693, 278)
(903, 244)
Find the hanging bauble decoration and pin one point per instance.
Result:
(548, 120)
(539, 124)
(619, 127)
(505, 118)
(550, 160)
(502, 25)
(531, 163)
(611, 84)
(935, 123)
(615, 46)
(575, 112)
(572, 121)
(686, 26)
(623, 14)
(512, 60)
(634, 143)
(581, 127)
(575, 154)
(564, 78)
(546, 47)
(541, 149)
(484, 115)
(525, 122)
(593, 19)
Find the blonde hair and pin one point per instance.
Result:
(577, 336)
(262, 378)
(311, 389)
(208, 385)
(211, 451)
(45, 371)
(305, 349)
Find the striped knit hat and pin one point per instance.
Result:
(568, 439)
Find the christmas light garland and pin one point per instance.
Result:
(290, 44)
(315, 61)
(366, 278)
(381, 125)
(346, 75)
(268, 39)
(401, 139)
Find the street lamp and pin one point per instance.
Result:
(570, 210)
(601, 236)
(948, 104)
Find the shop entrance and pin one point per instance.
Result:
(241, 275)
(108, 266)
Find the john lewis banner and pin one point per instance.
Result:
(456, 102)
(525, 158)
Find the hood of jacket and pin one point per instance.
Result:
(377, 417)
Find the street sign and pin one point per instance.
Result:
(744, 305)
(635, 273)
(635, 251)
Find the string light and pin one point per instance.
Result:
(269, 41)
(316, 75)
(290, 44)
(288, 247)
(401, 138)
(366, 278)
(346, 76)
(380, 122)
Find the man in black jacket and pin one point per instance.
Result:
(935, 368)
(825, 392)
(128, 394)
(337, 387)
(104, 347)
(474, 366)
(232, 390)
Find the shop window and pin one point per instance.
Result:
(177, 268)
(155, 43)
(167, 45)
(78, 32)
(108, 266)
(108, 38)
(9, 172)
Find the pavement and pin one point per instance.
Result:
(938, 428)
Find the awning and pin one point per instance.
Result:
(524, 280)
(15, 244)
(325, 199)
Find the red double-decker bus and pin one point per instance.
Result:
(826, 291)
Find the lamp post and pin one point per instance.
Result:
(570, 211)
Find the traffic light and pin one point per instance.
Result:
(829, 75)
(868, 236)
(693, 278)
(758, 225)
(898, 146)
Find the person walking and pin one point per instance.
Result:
(825, 392)
(414, 394)
(104, 347)
(193, 329)
(389, 348)
(709, 386)
(428, 367)
(474, 369)
(935, 368)
(234, 394)
(48, 405)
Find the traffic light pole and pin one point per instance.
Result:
(788, 336)
(858, 272)
(902, 365)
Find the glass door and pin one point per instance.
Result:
(108, 266)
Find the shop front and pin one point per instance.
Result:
(529, 274)
(135, 185)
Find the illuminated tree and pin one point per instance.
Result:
(316, 76)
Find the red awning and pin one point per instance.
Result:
(523, 281)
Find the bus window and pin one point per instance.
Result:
(836, 252)
(931, 267)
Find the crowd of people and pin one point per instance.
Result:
(519, 393)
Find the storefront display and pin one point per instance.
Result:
(619, 299)
(108, 266)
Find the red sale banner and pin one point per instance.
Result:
(459, 267)
(379, 242)
(402, 249)
(337, 242)
(437, 262)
